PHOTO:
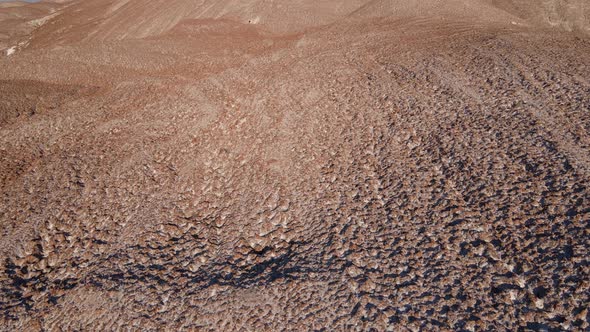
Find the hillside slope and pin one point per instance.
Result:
(118, 19)
(304, 165)
(571, 15)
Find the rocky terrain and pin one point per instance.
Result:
(295, 165)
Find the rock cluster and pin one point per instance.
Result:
(432, 177)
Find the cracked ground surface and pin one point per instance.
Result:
(368, 172)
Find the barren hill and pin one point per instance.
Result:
(294, 165)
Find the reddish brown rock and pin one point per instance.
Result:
(307, 165)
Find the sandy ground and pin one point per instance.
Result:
(294, 165)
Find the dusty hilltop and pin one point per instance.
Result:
(301, 165)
